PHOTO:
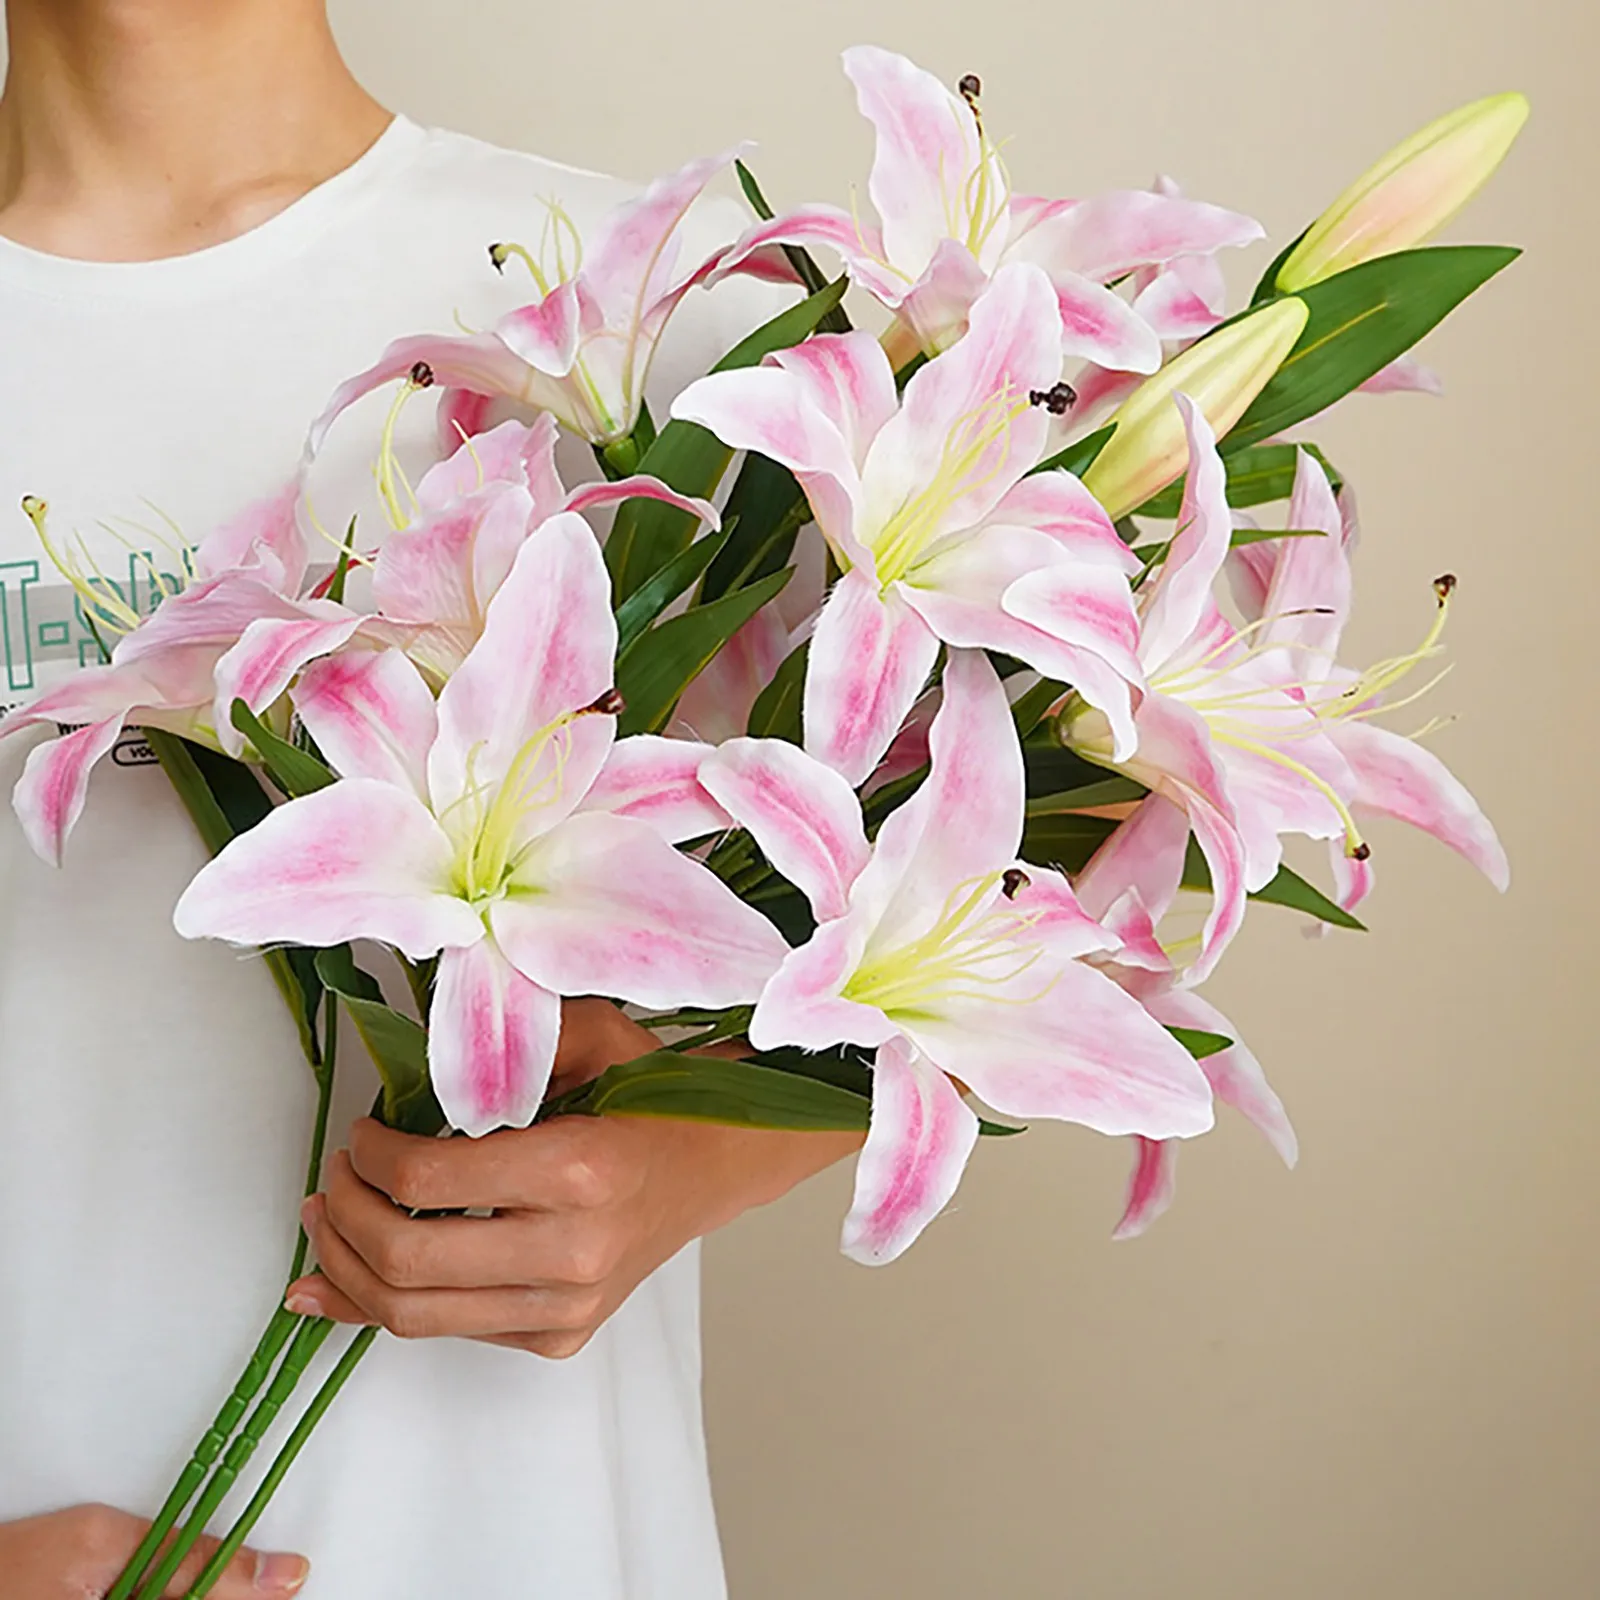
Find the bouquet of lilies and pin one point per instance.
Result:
(888, 754)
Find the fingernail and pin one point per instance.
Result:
(281, 1574)
(302, 1302)
(308, 1211)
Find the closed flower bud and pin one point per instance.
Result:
(1410, 194)
(1221, 374)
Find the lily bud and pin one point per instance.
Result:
(1221, 374)
(1410, 194)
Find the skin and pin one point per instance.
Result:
(132, 130)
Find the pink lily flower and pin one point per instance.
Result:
(504, 829)
(434, 577)
(947, 221)
(1129, 886)
(239, 630)
(926, 505)
(1224, 730)
(582, 350)
(936, 950)
(1297, 593)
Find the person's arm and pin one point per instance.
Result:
(585, 1209)
(78, 1553)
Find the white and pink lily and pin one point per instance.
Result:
(937, 951)
(435, 575)
(1129, 886)
(947, 221)
(582, 350)
(926, 504)
(1223, 730)
(505, 829)
(240, 629)
(1296, 593)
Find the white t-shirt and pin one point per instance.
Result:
(154, 1105)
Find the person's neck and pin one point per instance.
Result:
(136, 129)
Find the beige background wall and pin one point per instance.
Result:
(1377, 1376)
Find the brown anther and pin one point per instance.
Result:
(421, 375)
(1362, 852)
(1444, 586)
(970, 87)
(609, 704)
(1011, 880)
(498, 255)
(1058, 400)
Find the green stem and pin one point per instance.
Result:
(210, 1447)
(319, 1130)
(309, 1335)
(251, 1514)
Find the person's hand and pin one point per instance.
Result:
(584, 1209)
(79, 1553)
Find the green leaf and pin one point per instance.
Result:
(770, 509)
(652, 597)
(1198, 1042)
(776, 713)
(1079, 457)
(1288, 888)
(1052, 769)
(294, 770)
(341, 571)
(648, 533)
(1029, 708)
(806, 268)
(397, 1044)
(777, 1089)
(1267, 289)
(660, 664)
(1256, 477)
(666, 1083)
(1361, 320)
(224, 800)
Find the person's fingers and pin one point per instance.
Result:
(100, 1540)
(250, 1575)
(514, 1249)
(437, 1313)
(314, 1296)
(595, 1035)
(568, 1163)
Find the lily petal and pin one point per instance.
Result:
(1111, 234)
(371, 715)
(547, 652)
(921, 1136)
(927, 146)
(803, 814)
(546, 334)
(1151, 1185)
(870, 657)
(602, 905)
(1234, 1074)
(1397, 777)
(269, 653)
(1145, 853)
(803, 1002)
(360, 859)
(478, 362)
(1070, 1044)
(774, 411)
(657, 781)
(491, 1040)
(1180, 592)
(50, 795)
